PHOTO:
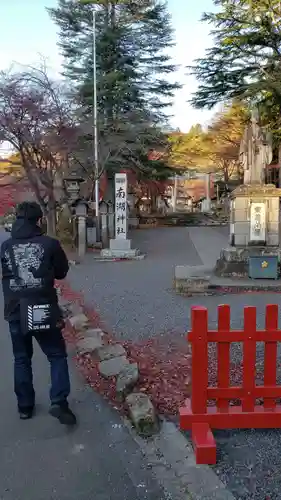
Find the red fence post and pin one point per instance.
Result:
(270, 352)
(223, 355)
(249, 358)
(201, 418)
(202, 437)
(199, 329)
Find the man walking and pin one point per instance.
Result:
(31, 262)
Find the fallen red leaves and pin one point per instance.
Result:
(164, 366)
(88, 366)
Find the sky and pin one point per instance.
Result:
(27, 32)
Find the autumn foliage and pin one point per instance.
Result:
(215, 149)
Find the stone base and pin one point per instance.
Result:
(222, 285)
(106, 253)
(198, 281)
(191, 279)
(120, 244)
(234, 261)
(120, 249)
(133, 222)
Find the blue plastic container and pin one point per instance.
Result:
(263, 267)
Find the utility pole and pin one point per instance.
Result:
(207, 189)
(95, 116)
(175, 193)
(95, 128)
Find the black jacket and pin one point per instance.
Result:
(31, 262)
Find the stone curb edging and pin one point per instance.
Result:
(167, 452)
(171, 459)
(202, 224)
(199, 280)
(98, 258)
(112, 364)
(217, 290)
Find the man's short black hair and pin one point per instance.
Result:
(29, 210)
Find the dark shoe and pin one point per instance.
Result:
(63, 413)
(26, 413)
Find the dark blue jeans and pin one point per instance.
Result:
(53, 346)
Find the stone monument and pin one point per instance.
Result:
(254, 214)
(120, 245)
(81, 210)
(255, 151)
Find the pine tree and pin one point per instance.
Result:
(244, 61)
(133, 71)
(132, 61)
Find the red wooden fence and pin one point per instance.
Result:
(201, 418)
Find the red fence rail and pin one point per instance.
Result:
(201, 418)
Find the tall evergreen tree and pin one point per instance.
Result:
(133, 68)
(244, 61)
(132, 61)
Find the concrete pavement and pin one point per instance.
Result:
(136, 301)
(136, 298)
(42, 460)
(208, 242)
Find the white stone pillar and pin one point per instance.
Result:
(175, 194)
(207, 207)
(121, 207)
(120, 246)
(104, 230)
(82, 236)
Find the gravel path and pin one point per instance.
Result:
(135, 298)
(249, 462)
(136, 301)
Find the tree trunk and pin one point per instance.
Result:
(153, 199)
(240, 172)
(65, 226)
(51, 216)
(137, 207)
(109, 194)
(51, 223)
(226, 172)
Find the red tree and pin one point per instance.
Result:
(36, 121)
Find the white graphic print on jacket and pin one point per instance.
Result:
(28, 258)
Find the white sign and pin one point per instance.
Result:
(121, 206)
(257, 222)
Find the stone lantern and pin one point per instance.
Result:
(81, 211)
(104, 207)
(81, 208)
(72, 183)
